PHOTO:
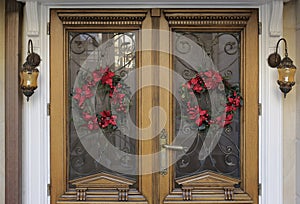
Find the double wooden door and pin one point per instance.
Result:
(154, 106)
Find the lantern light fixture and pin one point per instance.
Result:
(29, 73)
(286, 69)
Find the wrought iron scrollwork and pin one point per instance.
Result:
(224, 159)
(216, 45)
(224, 50)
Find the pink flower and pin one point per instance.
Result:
(223, 120)
(81, 94)
(211, 79)
(215, 76)
(92, 121)
(117, 98)
(187, 85)
(97, 74)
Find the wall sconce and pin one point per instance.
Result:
(285, 67)
(29, 73)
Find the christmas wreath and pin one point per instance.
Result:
(114, 98)
(195, 100)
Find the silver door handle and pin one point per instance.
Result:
(175, 147)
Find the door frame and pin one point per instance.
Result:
(271, 166)
(244, 21)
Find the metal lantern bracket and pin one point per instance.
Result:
(274, 59)
(32, 59)
(286, 68)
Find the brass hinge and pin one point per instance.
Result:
(260, 28)
(48, 109)
(49, 189)
(48, 28)
(259, 109)
(259, 189)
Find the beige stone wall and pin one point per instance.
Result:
(289, 109)
(2, 108)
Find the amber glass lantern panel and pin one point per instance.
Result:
(286, 74)
(29, 79)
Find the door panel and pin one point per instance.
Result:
(89, 101)
(111, 68)
(223, 49)
(217, 165)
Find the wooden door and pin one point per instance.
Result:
(154, 106)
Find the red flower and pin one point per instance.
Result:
(197, 88)
(194, 80)
(92, 121)
(197, 114)
(82, 94)
(235, 100)
(228, 119)
(107, 119)
(229, 108)
(107, 78)
(196, 84)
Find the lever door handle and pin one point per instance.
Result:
(175, 147)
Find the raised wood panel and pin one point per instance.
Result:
(209, 179)
(102, 180)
